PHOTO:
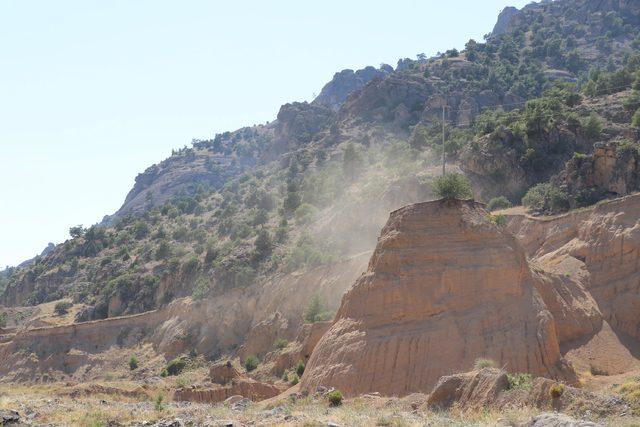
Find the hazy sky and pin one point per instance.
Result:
(92, 92)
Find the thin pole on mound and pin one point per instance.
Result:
(443, 152)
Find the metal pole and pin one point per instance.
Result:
(443, 152)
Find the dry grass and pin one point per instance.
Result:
(52, 404)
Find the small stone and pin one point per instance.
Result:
(233, 399)
(9, 416)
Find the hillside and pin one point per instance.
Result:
(267, 256)
(273, 199)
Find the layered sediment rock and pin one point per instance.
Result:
(600, 247)
(444, 287)
(212, 393)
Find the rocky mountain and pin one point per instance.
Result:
(519, 107)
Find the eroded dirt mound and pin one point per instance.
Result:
(596, 253)
(470, 389)
(211, 393)
(492, 388)
(444, 287)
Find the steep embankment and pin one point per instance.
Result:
(210, 327)
(444, 287)
(598, 249)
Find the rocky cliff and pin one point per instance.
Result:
(346, 82)
(597, 247)
(444, 287)
(504, 18)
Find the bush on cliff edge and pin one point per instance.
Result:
(453, 186)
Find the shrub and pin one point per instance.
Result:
(335, 398)
(285, 377)
(520, 381)
(174, 367)
(308, 252)
(190, 267)
(159, 403)
(632, 102)
(595, 370)
(498, 220)
(263, 245)
(305, 213)
(635, 120)
(281, 343)
(76, 231)
(3, 319)
(164, 250)
(592, 126)
(499, 203)
(316, 311)
(300, 368)
(140, 229)
(546, 198)
(133, 363)
(201, 289)
(452, 186)
(482, 363)
(627, 147)
(294, 379)
(556, 390)
(62, 308)
(211, 254)
(251, 363)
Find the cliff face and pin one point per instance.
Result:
(345, 82)
(503, 20)
(443, 288)
(599, 248)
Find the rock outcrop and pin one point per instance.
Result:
(491, 388)
(223, 372)
(299, 122)
(444, 287)
(503, 20)
(212, 393)
(612, 169)
(262, 337)
(598, 251)
(345, 82)
(601, 246)
(470, 389)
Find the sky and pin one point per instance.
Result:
(92, 92)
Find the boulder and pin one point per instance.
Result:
(559, 420)
(444, 287)
(9, 416)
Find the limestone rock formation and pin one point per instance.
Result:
(299, 122)
(345, 82)
(611, 169)
(503, 20)
(444, 287)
